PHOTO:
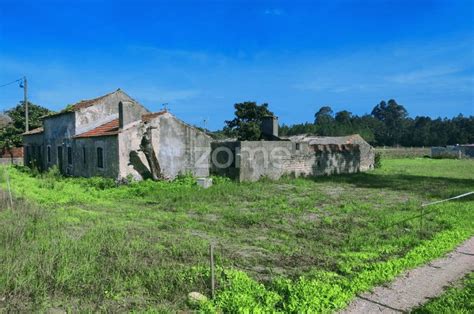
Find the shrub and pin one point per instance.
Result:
(216, 180)
(378, 160)
(98, 183)
(52, 173)
(186, 179)
(242, 294)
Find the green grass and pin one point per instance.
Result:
(290, 245)
(456, 299)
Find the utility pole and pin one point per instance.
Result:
(25, 91)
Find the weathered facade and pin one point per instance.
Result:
(181, 147)
(252, 160)
(366, 151)
(296, 156)
(102, 137)
(114, 136)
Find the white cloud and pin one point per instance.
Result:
(423, 75)
(321, 85)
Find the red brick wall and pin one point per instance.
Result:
(15, 152)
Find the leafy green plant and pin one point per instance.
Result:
(378, 160)
(216, 180)
(323, 291)
(98, 183)
(241, 294)
(186, 179)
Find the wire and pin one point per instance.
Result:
(448, 199)
(11, 82)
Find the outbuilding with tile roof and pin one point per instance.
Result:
(103, 137)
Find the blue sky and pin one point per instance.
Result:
(201, 57)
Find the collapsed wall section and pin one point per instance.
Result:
(179, 147)
(253, 160)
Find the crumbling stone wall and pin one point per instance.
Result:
(367, 155)
(335, 159)
(270, 159)
(223, 159)
(180, 148)
(253, 160)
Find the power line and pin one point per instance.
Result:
(24, 85)
(11, 82)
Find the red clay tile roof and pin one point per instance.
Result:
(87, 103)
(150, 116)
(34, 131)
(109, 128)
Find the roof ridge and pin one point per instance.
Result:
(99, 97)
(147, 117)
(84, 103)
(133, 99)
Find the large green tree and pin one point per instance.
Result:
(393, 116)
(248, 119)
(10, 135)
(324, 121)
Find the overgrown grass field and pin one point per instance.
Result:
(293, 245)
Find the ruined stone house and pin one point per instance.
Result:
(111, 136)
(296, 156)
(366, 151)
(114, 136)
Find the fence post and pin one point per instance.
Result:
(211, 262)
(421, 222)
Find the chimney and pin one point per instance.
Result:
(128, 113)
(270, 126)
(121, 114)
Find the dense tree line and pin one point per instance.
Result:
(388, 125)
